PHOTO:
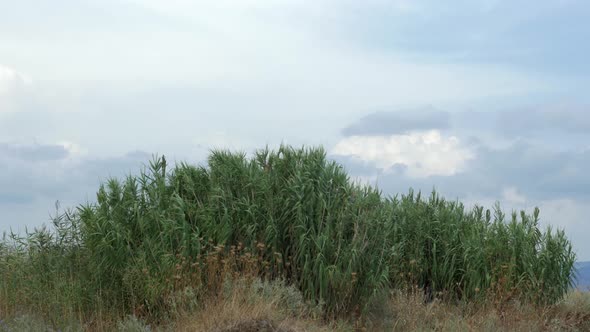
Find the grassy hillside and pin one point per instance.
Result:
(169, 241)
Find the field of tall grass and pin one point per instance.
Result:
(166, 243)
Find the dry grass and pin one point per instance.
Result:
(409, 313)
(245, 310)
(236, 314)
(252, 305)
(255, 306)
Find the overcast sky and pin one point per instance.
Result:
(485, 100)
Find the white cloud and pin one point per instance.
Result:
(424, 153)
(75, 151)
(11, 79)
(13, 88)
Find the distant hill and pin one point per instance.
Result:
(583, 273)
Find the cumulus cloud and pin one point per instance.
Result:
(422, 154)
(537, 172)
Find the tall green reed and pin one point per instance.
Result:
(297, 216)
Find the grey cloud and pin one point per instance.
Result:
(539, 171)
(570, 119)
(29, 189)
(526, 122)
(27, 179)
(32, 153)
(398, 122)
(544, 120)
(555, 127)
(90, 172)
(26, 170)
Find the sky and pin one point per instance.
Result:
(484, 100)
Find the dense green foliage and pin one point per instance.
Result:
(289, 214)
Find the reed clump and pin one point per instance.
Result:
(289, 215)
